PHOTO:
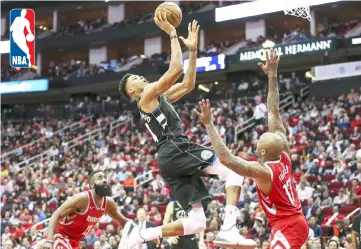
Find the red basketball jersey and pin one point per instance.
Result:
(79, 225)
(283, 200)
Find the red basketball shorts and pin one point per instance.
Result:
(62, 242)
(290, 233)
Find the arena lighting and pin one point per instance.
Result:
(256, 8)
(356, 41)
(308, 75)
(203, 88)
(4, 47)
(268, 44)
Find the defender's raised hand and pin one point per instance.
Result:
(161, 20)
(272, 60)
(192, 40)
(205, 115)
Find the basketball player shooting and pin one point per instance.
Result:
(76, 217)
(273, 174)
(17, 29)
(182, 164)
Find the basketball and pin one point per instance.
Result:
(174, 13)
(29, 37)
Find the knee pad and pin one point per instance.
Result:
(196, 221)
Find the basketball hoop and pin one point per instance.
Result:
(299, 9)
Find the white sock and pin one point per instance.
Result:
(230, 217)
(152, 233)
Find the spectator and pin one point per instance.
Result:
(113, 243)
(333, 244)
(316, 243)
(310, 209)
(8, 244)
(143, 223)
(265, 244)
(82, 244)
(96, 245)
(348, 244)
(342, 198)
(216, 188)
(260, 111)
(209, 242)
(92, 238)
(103, 242)
(304, 192)
(317, 230)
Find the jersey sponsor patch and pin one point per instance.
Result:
(206, 154)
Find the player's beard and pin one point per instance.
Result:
(103, 189)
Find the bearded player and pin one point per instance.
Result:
(182, 164)
(76, 217)
(273, 174)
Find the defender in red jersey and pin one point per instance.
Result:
(73, 220)
(273, 175)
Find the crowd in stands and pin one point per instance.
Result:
(326, 155)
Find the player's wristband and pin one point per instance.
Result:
(173, 36)
(49, 241)
(193, 50)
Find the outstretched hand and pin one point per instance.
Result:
(192, 41)
(161, 20)
(205, 115)
(272, 60)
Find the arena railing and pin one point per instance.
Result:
(305, 91)
(72, 127)
(249, 123)
(47, 155)
(143, 179)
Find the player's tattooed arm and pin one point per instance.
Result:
(114, 212)
(76, 203)
(238, 165)
(274, 118)
(180, 89)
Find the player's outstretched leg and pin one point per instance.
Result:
(229, 235)
(133, 236)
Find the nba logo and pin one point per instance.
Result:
(22, 38)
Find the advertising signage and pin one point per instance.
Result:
(207, 64)
(307, 47)
(336, 71)
(24, 86)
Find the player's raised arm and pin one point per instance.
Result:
(68, 207)
(274, 118)
(114, 212)
(238, 165)
(178, 90)
(152, 91)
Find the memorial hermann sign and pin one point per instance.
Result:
(307, 47)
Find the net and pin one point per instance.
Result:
(302, 10)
